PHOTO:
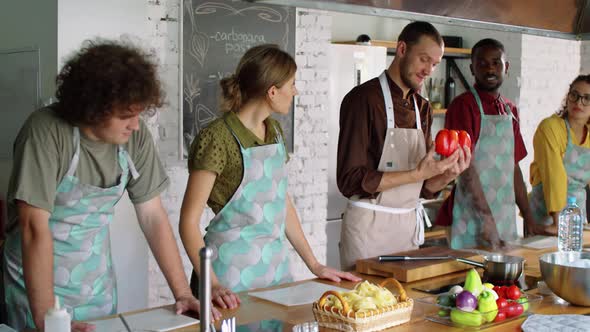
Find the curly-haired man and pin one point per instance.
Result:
(72, 162)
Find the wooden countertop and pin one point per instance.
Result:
(254, 309)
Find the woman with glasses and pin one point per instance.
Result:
(561, 167)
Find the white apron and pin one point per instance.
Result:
(393, 221)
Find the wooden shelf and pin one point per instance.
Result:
(442, 111)
(435, 232)
(391, 45)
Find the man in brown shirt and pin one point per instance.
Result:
(383, 163)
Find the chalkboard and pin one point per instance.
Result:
(19, 93)
(215, 36)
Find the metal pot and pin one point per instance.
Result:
(499, 267)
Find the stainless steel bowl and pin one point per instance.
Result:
(567, 276)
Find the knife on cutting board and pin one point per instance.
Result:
(390, 258)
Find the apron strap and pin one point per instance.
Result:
(76, 157)
(388, 100)
(421, 218)
(416, 110)
(278, 137)
(567, 130)
(477, 100)
(480, 106)
(508, 109)
(134, 173)
(233, 134)
(389, 111)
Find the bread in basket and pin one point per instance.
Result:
(367, 307)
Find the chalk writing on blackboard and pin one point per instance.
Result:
(216, 35)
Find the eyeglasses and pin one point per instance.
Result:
(573, 97)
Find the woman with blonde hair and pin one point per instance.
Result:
(238, 167)
(561, 167)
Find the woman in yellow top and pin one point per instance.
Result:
(238, 167)
(561, 166)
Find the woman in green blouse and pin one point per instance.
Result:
(238, 167)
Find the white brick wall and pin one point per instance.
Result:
(163, 37)
(548, 66)
(308, 176)
(585, 57)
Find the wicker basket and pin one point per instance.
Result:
(374, 320)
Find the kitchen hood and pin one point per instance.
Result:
(569, 19)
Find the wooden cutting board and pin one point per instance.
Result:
(407, 271)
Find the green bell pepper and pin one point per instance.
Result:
(486, 304)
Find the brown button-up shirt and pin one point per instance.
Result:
(363, 125)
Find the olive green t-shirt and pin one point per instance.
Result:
(216, 149)
(43, 151)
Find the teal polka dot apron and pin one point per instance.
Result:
(577, 167)
(493, 158)
(83, 273)
(248, 234)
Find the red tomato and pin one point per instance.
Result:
(464, 139)
(518, 309)
(502, 304)
(514, 310)
(446, 142)
(510, 311)
(500, 317)
(513, 292)
(500, 290)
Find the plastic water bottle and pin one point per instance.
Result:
(570, 232)
(57, 319)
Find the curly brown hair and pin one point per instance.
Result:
(562, 112)
(105, 75)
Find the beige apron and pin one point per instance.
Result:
(393, 221)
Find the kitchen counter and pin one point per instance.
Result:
(254, 309)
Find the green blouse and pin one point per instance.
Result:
(216, 149)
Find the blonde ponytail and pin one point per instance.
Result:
(260, 68)
(231, 96)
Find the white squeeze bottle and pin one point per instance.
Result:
(57, 319)
(570, 231)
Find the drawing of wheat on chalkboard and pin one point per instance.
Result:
(198, 47)
(191, 91)
(202, 115)
(199, 42)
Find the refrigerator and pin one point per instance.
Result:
(350, 65)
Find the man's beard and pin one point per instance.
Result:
(487, 87)
(405, 75)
